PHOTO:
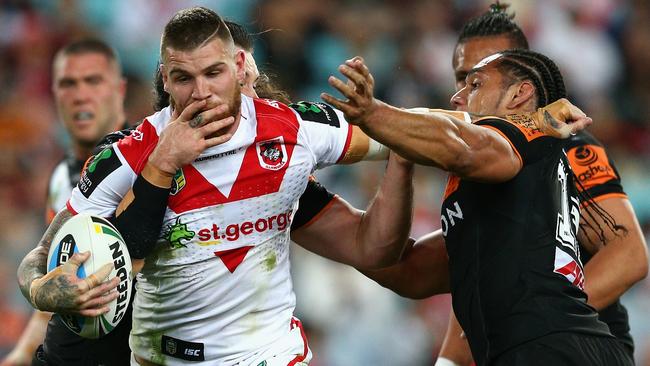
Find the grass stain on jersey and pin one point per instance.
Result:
(270, 261)
(176, 233)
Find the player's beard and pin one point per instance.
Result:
(234, 107)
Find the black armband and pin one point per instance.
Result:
(141, 221)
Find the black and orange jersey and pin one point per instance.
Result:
(515, 269)
(596, 174)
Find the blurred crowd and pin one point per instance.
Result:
(602, 47)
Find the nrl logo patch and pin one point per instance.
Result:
(178, 182)
(271, 153)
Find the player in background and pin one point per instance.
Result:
(510, 211)
(614, 268)
(89, 92)
(253, 235)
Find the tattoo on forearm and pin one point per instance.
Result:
(34, 265)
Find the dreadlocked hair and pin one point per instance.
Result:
(589, 213)
(521, 64)
(495, 22)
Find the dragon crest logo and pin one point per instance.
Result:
(271, 153)
(176, 233)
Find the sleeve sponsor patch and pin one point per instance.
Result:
(101, 165)
(591, 165)
(317, 112)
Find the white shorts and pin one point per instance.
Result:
(290, 350)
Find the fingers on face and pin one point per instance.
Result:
(192, 109)
(214, 114)
(212, 127)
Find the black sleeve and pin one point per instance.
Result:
(140, 223)
(312, 202)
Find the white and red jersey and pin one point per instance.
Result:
(217, 288)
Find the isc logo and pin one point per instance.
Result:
(449, 217)
(192, 352)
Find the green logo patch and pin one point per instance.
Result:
(316, 112)
(176, 233)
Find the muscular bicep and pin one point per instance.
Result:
(423, 270)
(490, 157)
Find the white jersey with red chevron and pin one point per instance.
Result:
(217, 288)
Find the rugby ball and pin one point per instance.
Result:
(83, 233)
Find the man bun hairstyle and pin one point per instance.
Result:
(191, 28)
(495, 22)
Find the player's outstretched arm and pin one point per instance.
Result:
(622, 261)
(371, 239)
(423, 270)
(438, 139)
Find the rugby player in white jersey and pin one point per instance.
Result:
(217, 289)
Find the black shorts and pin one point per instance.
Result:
(566, 349)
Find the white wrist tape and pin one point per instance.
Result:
(441, 361)
(376, 151)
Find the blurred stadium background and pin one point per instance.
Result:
(602, 46)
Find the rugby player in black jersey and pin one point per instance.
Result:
(614, 268)
(510, 213)
(89, 91)
(618, 265)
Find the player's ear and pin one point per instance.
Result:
(240, 64)
(161, 70)
(520, 94)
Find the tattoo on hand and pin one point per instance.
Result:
(550, 120)
(57, 293)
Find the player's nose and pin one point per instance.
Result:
(201, 90)
(458, 101)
